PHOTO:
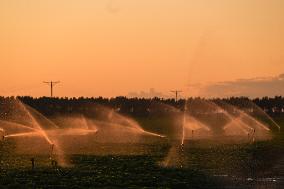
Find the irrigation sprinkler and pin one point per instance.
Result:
(33, 163)
(248, 136)
(51, 151)
(2, 132)
(54, 163)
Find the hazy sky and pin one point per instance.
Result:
(113, 47)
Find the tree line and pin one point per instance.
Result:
(273, 106)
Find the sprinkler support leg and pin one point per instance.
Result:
(33, 163)
(51, 151)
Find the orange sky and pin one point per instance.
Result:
(113, 47)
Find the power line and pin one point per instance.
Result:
(51, 84)
(176, 93)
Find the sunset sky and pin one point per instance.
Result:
(114, 47)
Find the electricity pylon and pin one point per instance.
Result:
(51, 84)
(176, 93)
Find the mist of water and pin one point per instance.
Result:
(218, 122)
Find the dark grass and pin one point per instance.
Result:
(107, 172)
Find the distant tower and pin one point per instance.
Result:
(176, 92)
(51, 84)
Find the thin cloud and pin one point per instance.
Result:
(254, 87)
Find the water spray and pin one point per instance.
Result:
(153, 134)
(183, 126)
(35, 122)
(264, 113)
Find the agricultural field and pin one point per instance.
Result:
(200, 164)
(209, 145)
